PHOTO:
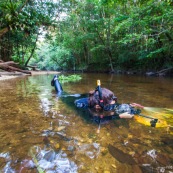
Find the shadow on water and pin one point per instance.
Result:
(40, 132)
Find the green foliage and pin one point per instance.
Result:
(94, 34)
(51, 57)
(69, 78)
(22, 20)
(155, 53)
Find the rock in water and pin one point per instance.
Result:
(121, 156)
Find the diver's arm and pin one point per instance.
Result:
(126, 115)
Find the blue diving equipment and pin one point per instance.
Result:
(81, 103)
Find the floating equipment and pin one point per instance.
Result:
(150, 122)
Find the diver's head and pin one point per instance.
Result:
(108, 97)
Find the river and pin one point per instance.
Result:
(41, 132)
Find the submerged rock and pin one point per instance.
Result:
(5, 166)
(167, 141)
(121, 156)
(90, 150)
(51, 161)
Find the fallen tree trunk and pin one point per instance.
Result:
(33, 67)
(5, 73)
(164, 71)
(8, 63)
(7, 66)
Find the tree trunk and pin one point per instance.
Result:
(107, 49)
(7, 67)
(110, 59)
(3, 31)
(32, 52)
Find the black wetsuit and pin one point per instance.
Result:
(55, 82)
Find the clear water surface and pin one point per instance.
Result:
(40, 132)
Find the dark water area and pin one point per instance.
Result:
(40, 132)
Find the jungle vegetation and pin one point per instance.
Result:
(87, 35)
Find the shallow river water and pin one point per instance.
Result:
(41, 132)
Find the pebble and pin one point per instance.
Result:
(114, 166)
(96, 168)
(57, 146)
(106, 171)
(57, 129)
(50, 128)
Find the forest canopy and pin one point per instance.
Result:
(87, 35)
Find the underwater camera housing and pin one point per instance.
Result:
(135, 111)
(153, 122)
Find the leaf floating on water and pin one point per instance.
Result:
(121, 156)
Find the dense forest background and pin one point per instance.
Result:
(87, 35)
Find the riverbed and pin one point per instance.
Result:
(42, 132)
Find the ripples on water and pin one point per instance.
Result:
(40, 132)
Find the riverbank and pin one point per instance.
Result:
(11, 75)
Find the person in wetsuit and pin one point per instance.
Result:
(106, 104)
(101, 103)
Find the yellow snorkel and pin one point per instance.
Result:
(100, 93)
(98, 83)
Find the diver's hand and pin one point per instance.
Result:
(136, 105)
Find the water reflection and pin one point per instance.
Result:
(39, 130)
(50, 161)
(7, 162)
